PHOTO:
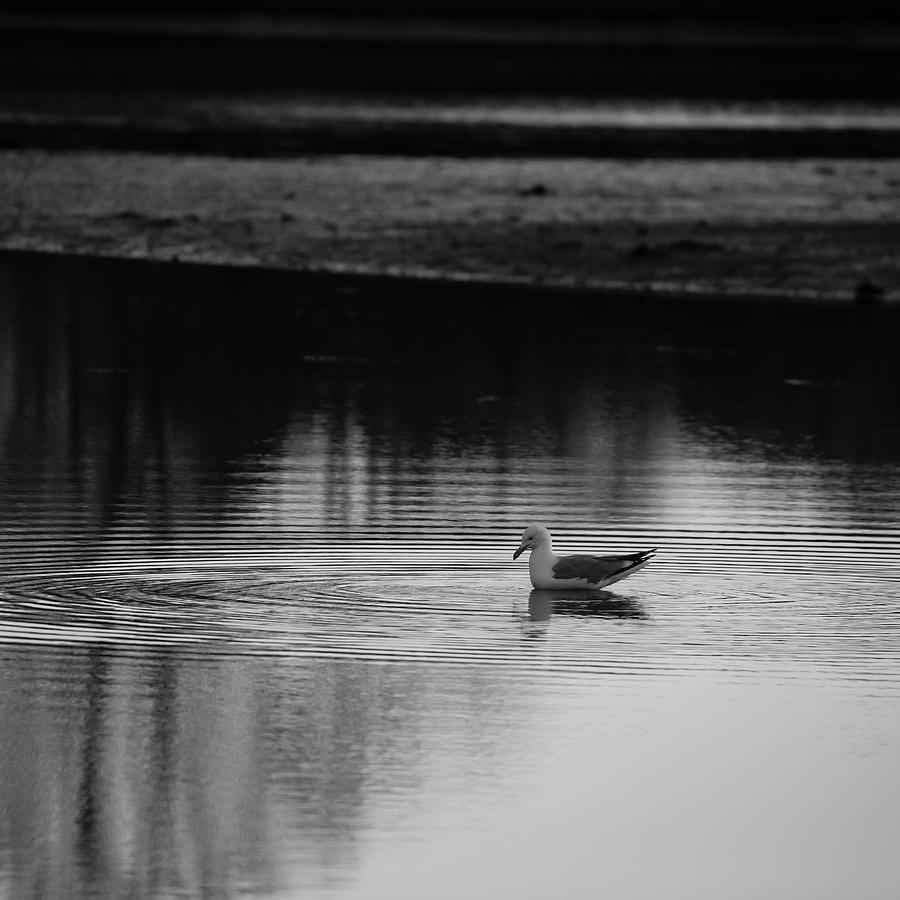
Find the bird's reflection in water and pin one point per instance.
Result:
(586, 604)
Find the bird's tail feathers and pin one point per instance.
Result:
(640, 560)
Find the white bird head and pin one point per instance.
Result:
(533, 536)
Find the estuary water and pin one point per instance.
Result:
(261, 634)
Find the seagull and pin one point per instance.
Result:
(551, 572)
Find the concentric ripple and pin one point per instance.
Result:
(711, 601)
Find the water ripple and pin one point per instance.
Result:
(737, 602)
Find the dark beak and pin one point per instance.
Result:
(518, 552)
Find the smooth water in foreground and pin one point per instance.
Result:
(261, 634)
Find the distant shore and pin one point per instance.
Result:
(584, 155)
(720, 55)
(289, 123)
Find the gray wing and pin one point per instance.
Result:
(600, 570)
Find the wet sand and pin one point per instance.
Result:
(789, 229)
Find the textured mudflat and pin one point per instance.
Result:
(795, 228)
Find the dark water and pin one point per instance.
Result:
(261, 634)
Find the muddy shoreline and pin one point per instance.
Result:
(795, 229)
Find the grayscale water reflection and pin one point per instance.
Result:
(261, 633)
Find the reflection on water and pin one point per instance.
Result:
(544, 604)
(260, 633)
(139, 775)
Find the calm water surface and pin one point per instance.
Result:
(261, 634)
